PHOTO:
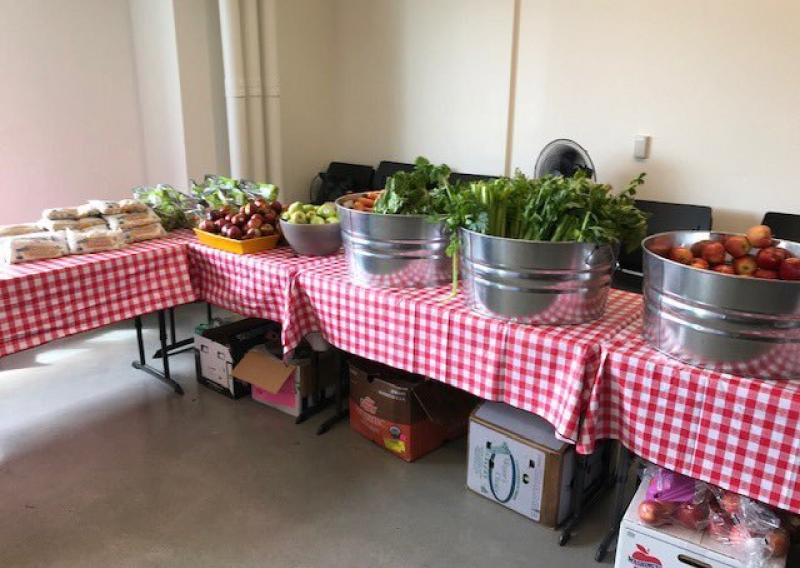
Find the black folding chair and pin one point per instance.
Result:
(784, 225)
(340, 178)
(662, 217)
(387, 169)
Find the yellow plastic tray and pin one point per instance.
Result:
(248, 246)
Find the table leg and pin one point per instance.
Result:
(163, 376)
(621, 474)
(578, 489)
(340, 411)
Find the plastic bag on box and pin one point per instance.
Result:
(33, 246)
(94, 240)
(753, 529)
(673, 498)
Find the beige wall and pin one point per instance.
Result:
(69, 124)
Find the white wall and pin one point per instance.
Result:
(69, 124)
(715, 82)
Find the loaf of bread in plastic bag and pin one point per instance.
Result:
(94, 240)
(85, 223)
(33, 246)
(60, 213)
(144, 233)
(58, 224)
(131, 220)
(133, 206)
(105, 207)
(21, 229)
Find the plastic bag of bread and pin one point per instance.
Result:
(87, 210)
(59, 213)
(144, 233)
(133, 206)
(21, 229)
(105, 207)
(85, 223)
(131, 220)
(94, 240)
(33, 246)
(58, 224)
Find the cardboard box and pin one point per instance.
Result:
(643, 546)
(516, 460)
(276, 384)
(219, 349)
(405, 413)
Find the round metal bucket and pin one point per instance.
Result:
(534, 281)
(745, 326)
(394, 251)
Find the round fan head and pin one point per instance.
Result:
(565, 158)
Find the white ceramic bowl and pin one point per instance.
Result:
(312, 240)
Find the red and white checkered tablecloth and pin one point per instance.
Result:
(739, 433)
(543, 369)
(50, 299)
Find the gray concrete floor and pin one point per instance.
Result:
(102, 465)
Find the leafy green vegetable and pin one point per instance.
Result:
(408, 193)
(217, 191)
(172, 207)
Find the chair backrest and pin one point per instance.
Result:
(339, 179)
(466, 178)
(663, 217)
(360, 175)
(784, 225)
(387, 169)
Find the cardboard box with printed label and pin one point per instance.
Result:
(405, 413)
(280, 385)
(643, 546)
(219, 349)
(516, 460)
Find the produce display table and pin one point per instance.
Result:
(741, 434)
(50, 299)
(547, 370)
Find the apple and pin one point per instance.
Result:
(252, 233)
(700, 263)
(730, 502)
(681, 254)
(783, 253)
(213, 215)
(766, 274)
(714, 253)
(229, 216)
(724, 269)
(760, 236)
(739, 535)
(208, 226)
(234, 232)
(778, 542)
(790, 269)
(271, 217)
(697, 248)
(745, 266)
(267, 230)
(277, 207)
(769, 259)
(737, 246)
(255, 222)
(660, 249)
(653, 513)
(692, 515)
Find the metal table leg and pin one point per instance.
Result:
(340, 412)
(578, 488)
(163, 376)
(184, 345)
(621, 474)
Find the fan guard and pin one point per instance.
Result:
(563, 157)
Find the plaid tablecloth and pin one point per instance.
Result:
(50, 299)
(741, 434)
(543, 369)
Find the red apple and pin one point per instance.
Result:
(681, 254)
(267, 230)
(229, 217)
(769, 259)
(766, 274)
(234, 232)
(208, 226)
(778, 542)
(700, 263)
(691, 515)
(739, 535)
(745, 266)
(660, 249)
(790, 269)
(697, 248)
(724, 269)
(730, 502)
(760, 236)
(213, 215)
(653, 513)
(277, 207)
(252, 233)
(783, 253)
(714, 253)
(255, 222)
(737, 246)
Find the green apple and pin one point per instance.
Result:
(327, 210)
(298, 217)
(316, 220)
(294, 207)
(332, 220)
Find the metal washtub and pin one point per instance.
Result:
(394, 251)
(745, 326)
(536, 282)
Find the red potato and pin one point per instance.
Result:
(737, 246)
(730, 502)
(769, 258)
(700, 263)
(745, 266)
(724, 269)
(681, 254)
(659, 249)
(714, 253)
(697, 248)
(760, 236)
(766, 274)
(790, 269)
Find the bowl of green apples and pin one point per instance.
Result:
(312, 230)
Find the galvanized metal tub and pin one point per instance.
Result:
(394, 251)
(745, 326)
(536, 282)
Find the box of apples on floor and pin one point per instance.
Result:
(751, 255)
(253, 227)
